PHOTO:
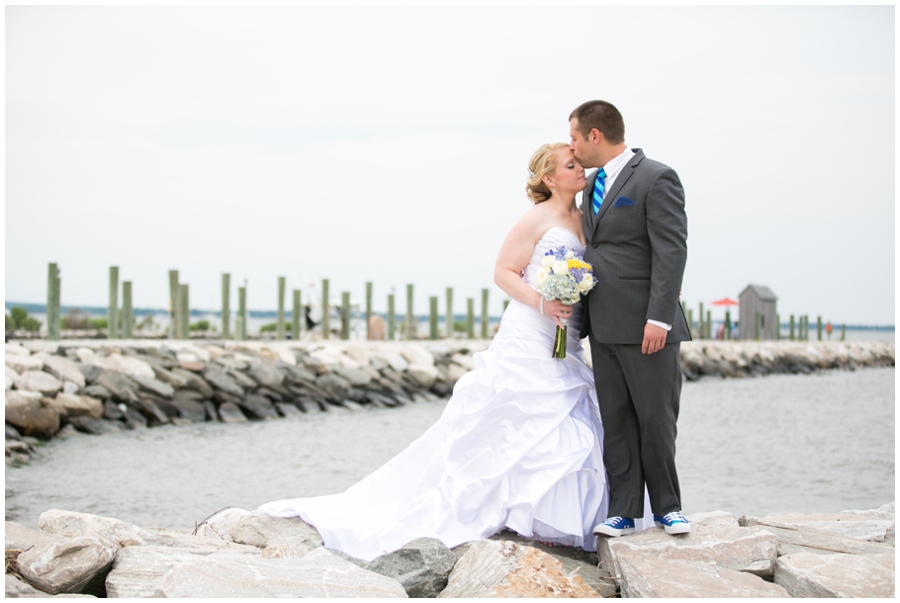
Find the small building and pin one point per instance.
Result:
(757, 300)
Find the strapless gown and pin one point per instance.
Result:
(519, 445)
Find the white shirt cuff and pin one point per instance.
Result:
(660, 324)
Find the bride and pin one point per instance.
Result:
(519, 444)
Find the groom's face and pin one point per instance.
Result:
(584, 151)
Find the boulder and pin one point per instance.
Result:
(38, 381)
(334, 386)
(95, 426)
(286, 409)
(67, 565)
(242, 379)
(90, 372)
(70, 405)
(220, 523)
(422, 567)
(259, 407)
(190, 409)
(28, 412)
(151, 572)
(261, 530)
(356, 377)
(96, 391)
(15, 349)
(71, 524)
(119, 386)
(62, 368)
(129, 365)
(152, 410)
(19, 538)
(154, 385)
(70, 387)
(499, 568)
(222, 380)
(20, 364)
(18, 589)
(715, 538)
(112, 411)
(424, 375)
(838, 575)
(847, 524)
(229, 412)
(195, 382)
(134, 419)
(265, 373)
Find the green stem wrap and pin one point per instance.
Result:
(559, 344)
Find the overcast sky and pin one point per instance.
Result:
(391, 144)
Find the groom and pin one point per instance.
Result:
(636, 232)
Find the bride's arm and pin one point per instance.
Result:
(515, 253)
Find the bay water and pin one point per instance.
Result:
(805, 443)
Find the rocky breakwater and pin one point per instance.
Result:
(757, 358)
(848, 554)
(99, 387)
(237, 553)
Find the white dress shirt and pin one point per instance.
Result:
(613, 168)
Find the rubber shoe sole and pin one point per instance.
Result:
(676, 528)
(605, 530)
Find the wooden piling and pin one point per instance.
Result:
(484, 313)
(843, 332)
(242, 313)
(433, 317)
(691, 329)
(226, 305)
(185, 311)
(345, 315)
(470, 317)
(391, 318)
(326, 333)
(296, 316)
(792, 327)
(368, 310)
(127, 311)
(701, 328)
(449, 313)
(819, 328)
(709, 331)
(112, 318)
(279, 329)
(53, 310)
(173, 304)
(409, 328)
(727, 334)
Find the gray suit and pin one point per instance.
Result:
(637, 244)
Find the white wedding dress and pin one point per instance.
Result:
(519, 445)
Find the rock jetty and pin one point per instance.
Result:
(98, 387)
(237, 553)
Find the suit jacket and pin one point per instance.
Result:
(637, 244)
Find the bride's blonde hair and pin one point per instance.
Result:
(542, 162)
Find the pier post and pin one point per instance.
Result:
(368, 310)
(296, 311)
(449, 312)
(484, 313)
(127, 311)
(279, 329)
(410, 329)
(185, 311)
(757, 327)
(326, 333)
(691, 329)
(792, 327)
(242, 313)
(470, 317)
(173, 304)
(726, 336)
(701, 327)
(709, 331)
(53, 311)
(433, 318)
(391, 318)
(819, 328)
(345, 315)
(843, 332)
(226, 305)
(112, 318)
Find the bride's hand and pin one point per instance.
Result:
(557, 310)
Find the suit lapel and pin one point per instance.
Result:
(621, 179)
(586, 209)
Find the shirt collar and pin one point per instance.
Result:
(615, 165)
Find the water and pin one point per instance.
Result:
(822, 442)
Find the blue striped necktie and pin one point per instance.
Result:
(599, 188)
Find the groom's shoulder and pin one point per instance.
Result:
(649, 165)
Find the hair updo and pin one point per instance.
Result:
(542, 162)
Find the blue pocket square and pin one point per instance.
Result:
(623, 202)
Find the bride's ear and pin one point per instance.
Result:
(548, 182)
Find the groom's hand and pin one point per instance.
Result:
(654, 339)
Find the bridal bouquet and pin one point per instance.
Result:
(565, 276)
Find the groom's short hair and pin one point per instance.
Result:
(603, 116)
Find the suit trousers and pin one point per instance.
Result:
(639, 397)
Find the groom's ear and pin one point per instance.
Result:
(596, 136)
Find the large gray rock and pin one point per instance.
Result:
(95, 426)
(38, 381)
(152, 572)
(19, 538)
(422, 567)
(20, 364)
(220, 523)
(71, 524)
(356, 377)
(265, 373)
(62, 368)
(154, 385)
(67, 565)
(715, 538)
(222, 380)
(229, 412)
(838, 575)
(261, 530)
(96, 391)
(119, 386)
(848, 524)
(828, 537)
(259, 407)
(30, 414)
(498, 568)
(194, 381)
(70, 405)
(190, 409)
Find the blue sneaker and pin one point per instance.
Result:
(615, 527)
(674, 523)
